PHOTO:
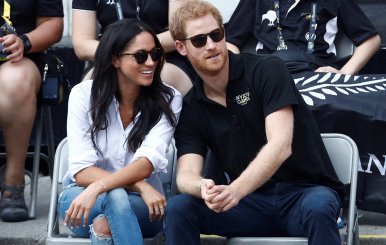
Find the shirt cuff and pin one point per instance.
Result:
(158, 160)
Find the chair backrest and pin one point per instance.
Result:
(344, 156)
(344, 46)
(168, 180)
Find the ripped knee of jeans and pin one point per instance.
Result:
(100, 228)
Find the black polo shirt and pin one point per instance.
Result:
(153, 12)
(257, 87)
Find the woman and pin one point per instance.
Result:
(89, 15)
(119, 127)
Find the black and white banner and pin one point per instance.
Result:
(355, 106)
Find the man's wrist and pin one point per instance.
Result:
(201, 183)
(26, 43)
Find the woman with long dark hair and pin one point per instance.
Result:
(119, 127)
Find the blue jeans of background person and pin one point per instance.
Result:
(126, 213)
(282, 209)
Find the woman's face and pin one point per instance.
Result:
(137, 63)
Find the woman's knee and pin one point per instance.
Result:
(118, 200)
(100, 226)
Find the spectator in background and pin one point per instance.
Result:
(38, 25)
(302, 33)
(247, 111)
(88, 15)
(119, 127)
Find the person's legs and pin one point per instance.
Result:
(121, 217)
(118, 219)
(64, 201)
(19, 86)
(309, 211)
(188, 217)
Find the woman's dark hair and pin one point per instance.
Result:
(153, 101)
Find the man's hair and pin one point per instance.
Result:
(188, 11)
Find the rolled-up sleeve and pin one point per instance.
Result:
(156, 143)
(81, 150)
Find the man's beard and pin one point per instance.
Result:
(206, 66)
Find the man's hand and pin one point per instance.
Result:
(219, 198)
(13, 46)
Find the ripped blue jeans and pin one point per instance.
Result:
(126, 213)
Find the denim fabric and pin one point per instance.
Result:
(280, 210)
(100, 239)
(126, 213)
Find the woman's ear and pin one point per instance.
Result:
(115, 62)
(181, 48)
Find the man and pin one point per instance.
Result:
(38, 25)
(246, 110)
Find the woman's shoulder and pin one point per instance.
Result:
(84, 87)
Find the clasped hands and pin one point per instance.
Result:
(219, 198)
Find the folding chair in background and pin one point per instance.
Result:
(344, 156)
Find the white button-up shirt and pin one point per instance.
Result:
(111, 141)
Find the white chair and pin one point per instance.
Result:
(56, 237)
(344, 156)
(343, 45)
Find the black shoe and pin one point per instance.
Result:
(13, 208)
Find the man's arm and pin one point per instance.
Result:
(279, 131)
(189, 168)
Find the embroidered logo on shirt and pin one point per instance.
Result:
(110, 2)
(243, 99)
(270, 16)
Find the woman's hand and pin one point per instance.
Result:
(82, 205)
(327, 69)
(155, 201)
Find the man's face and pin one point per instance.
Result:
(210, 56)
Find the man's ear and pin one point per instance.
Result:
(181, 48)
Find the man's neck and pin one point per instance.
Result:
(215, 86)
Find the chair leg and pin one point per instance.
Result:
(50, 137)
(36, 162)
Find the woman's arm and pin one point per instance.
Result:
(84, 36)
(165, 37)
(362, 55)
